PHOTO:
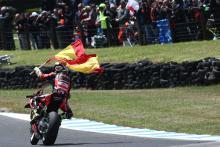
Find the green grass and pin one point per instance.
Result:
(183, 109)
(157, 53)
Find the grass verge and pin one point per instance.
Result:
(184, 109)
(156, 53)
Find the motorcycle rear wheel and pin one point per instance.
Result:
(54, 123)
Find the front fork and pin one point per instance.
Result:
(34, 131)
(35, 116)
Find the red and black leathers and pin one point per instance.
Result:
(60, 93)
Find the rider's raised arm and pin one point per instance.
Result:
(46, 76)
(43, 76)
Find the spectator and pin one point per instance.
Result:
(6, 18)
(78, 16)
(33, 31)
(51, 23)
(89, 22)
(42, 24)
(113, 26)
(77, 20)
(145, 23)
(214, 10)
(54, 26)
(68, 24)
(102, 20)
(1, 28)
(179, 20)
(109, 16)
(161, 12)
(122, 18)
(21, 27)
(60, 29)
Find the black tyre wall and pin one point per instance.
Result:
(140, 75)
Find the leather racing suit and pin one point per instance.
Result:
(61, 91)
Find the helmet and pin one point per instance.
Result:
(59, 67)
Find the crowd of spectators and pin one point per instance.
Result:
(109, 22)
(6, 28)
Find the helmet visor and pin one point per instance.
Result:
(58, 68)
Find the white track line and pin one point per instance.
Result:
(99, 127)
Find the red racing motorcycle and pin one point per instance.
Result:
(44, 122)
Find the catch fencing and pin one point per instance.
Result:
(60, 37)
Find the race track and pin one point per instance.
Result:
(15, 133)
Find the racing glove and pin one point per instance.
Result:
(37, 71)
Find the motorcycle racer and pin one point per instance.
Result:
(61, 88)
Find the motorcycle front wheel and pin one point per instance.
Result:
(54, 123)
(34, 138)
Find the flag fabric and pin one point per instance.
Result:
(85, 64)
(132, 6)
(75, 58)
(72, 51)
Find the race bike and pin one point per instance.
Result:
(44, 122)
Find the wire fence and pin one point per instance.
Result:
(92, 38)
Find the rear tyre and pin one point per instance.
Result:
(54, 123)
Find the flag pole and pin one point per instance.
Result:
(42, 65)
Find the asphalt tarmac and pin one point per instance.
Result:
(15, 133)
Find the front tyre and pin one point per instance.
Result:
(54, 123)
(34, 137)
(34, 140)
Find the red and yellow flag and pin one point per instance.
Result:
(75, 58)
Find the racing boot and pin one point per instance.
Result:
(69, 113)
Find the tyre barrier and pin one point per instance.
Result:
(140, 75)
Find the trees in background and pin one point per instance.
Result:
(21, 5)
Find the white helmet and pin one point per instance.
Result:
(58, 67)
